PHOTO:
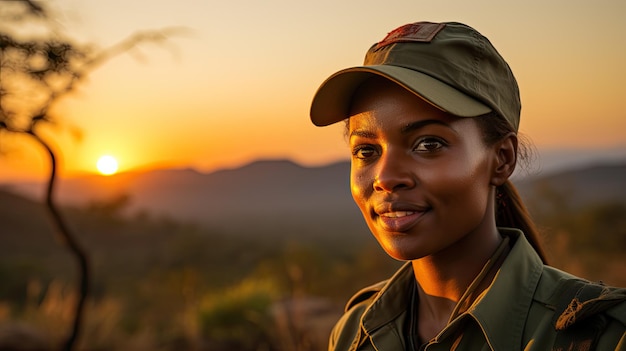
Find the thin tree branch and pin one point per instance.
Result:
(69, 240)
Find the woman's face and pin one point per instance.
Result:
(421, 177)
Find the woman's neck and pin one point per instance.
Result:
(444, 278)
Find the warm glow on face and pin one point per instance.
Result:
(107, 165)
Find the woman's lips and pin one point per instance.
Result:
(397, 214)
(400, 221)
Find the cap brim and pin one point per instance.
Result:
(332, 100)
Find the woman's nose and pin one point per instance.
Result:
(393, 173)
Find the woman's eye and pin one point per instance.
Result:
(364, 152)
(429, 145)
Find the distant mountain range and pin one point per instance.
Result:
(285, 192)
(288, 195)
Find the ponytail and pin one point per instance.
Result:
(510, 209)
(511, 212)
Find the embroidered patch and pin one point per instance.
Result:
(422, 32)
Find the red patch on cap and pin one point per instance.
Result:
(422, 32)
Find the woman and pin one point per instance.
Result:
(432, 119)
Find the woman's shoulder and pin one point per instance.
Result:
(582, 312)
(557, 289)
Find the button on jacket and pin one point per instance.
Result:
(516, 312)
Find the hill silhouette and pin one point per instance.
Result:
(578, 187)
(272, 199)
(279, 193)
(289, 194)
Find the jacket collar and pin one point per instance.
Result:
(512, 291)
(392, 300)
(506, 301)
(384, 319)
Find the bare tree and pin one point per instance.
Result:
(36, 70)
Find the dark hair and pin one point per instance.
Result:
(510, 209)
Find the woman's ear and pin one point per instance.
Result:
(505, 159)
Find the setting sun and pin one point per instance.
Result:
(107, 165)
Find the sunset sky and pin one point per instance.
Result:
(237, 85)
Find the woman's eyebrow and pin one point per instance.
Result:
(362, 133)
(404, 130)
(421, 124)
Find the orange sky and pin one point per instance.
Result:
(239, 87)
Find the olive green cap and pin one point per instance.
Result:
(449, 64)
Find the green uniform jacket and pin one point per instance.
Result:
(516, 312)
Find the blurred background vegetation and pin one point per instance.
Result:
(163, 284)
